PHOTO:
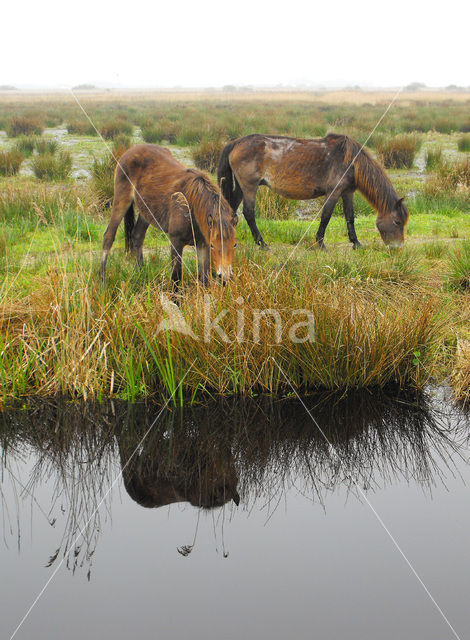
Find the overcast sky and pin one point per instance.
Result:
(206, 43)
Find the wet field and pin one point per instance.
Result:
(256, 519)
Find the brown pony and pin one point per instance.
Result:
(334, 166)
(182, 202)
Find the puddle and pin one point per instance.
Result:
(236, 519)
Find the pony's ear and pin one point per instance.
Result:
(234, 219)
(400, 202)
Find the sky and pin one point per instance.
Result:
(244, 42)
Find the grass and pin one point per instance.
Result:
(81, 127)
(433, 158)
(381, 318)
(113, 128)
(398, 152)
(102, 171)
(365, 335)
(10, 162)
(48, 166)
(46, 146)
(206, 155)
(272, 206)
(24, 125)
(26, 145)
(459, 273)
(463, 143)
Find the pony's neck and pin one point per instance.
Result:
(197, 215)
(374, 184)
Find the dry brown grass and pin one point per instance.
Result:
(74, 336)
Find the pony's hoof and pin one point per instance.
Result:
(262, 245)
(356, 245)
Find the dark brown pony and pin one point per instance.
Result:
(182, 202)
(334, 166)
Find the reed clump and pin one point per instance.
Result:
(459, 267)
(81, 127)
(10, 162)
(398, 152)
(102, 171)
(46, 146)
(26, 145)
(461, 371)
(73, 335)
(113, 128)
(463, 143)
(450, 178)
(433, 158)
(51, 166)
(25, 125)
(206, 154)
(273, 206)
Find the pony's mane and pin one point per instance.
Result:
(369, 176)
(206, 200)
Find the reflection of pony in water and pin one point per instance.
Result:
(185, 467)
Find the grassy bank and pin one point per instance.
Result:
(377, 318)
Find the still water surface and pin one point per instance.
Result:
(236, 520)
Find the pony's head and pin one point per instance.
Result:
(392, 225)
(222, 240)
(216, 221)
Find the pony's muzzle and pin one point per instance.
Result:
(224, 274)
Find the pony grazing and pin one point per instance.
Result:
(182, 202)
(334, 166)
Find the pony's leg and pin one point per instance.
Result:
(176, 261)
(348, 210)
(121, 203)
(249, 199)
(203, 260)
(325, 218)
(138, 237)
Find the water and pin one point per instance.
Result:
(145, 538)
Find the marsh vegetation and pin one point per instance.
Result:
(381, 318)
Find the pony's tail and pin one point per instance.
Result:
(129, 221)
(226, 179)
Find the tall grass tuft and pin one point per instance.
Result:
(83, 338)
(53, 167)
(463, 143)
(206, 154)
(113, 128)
(46, 146)
(10, 162)
(398, 152)
(273, 206)
(26, 145)
(102, 172)
(159, 131)
(80, 128)
(24, 125)
(433, 158)
(452, 179)
(459, 271)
